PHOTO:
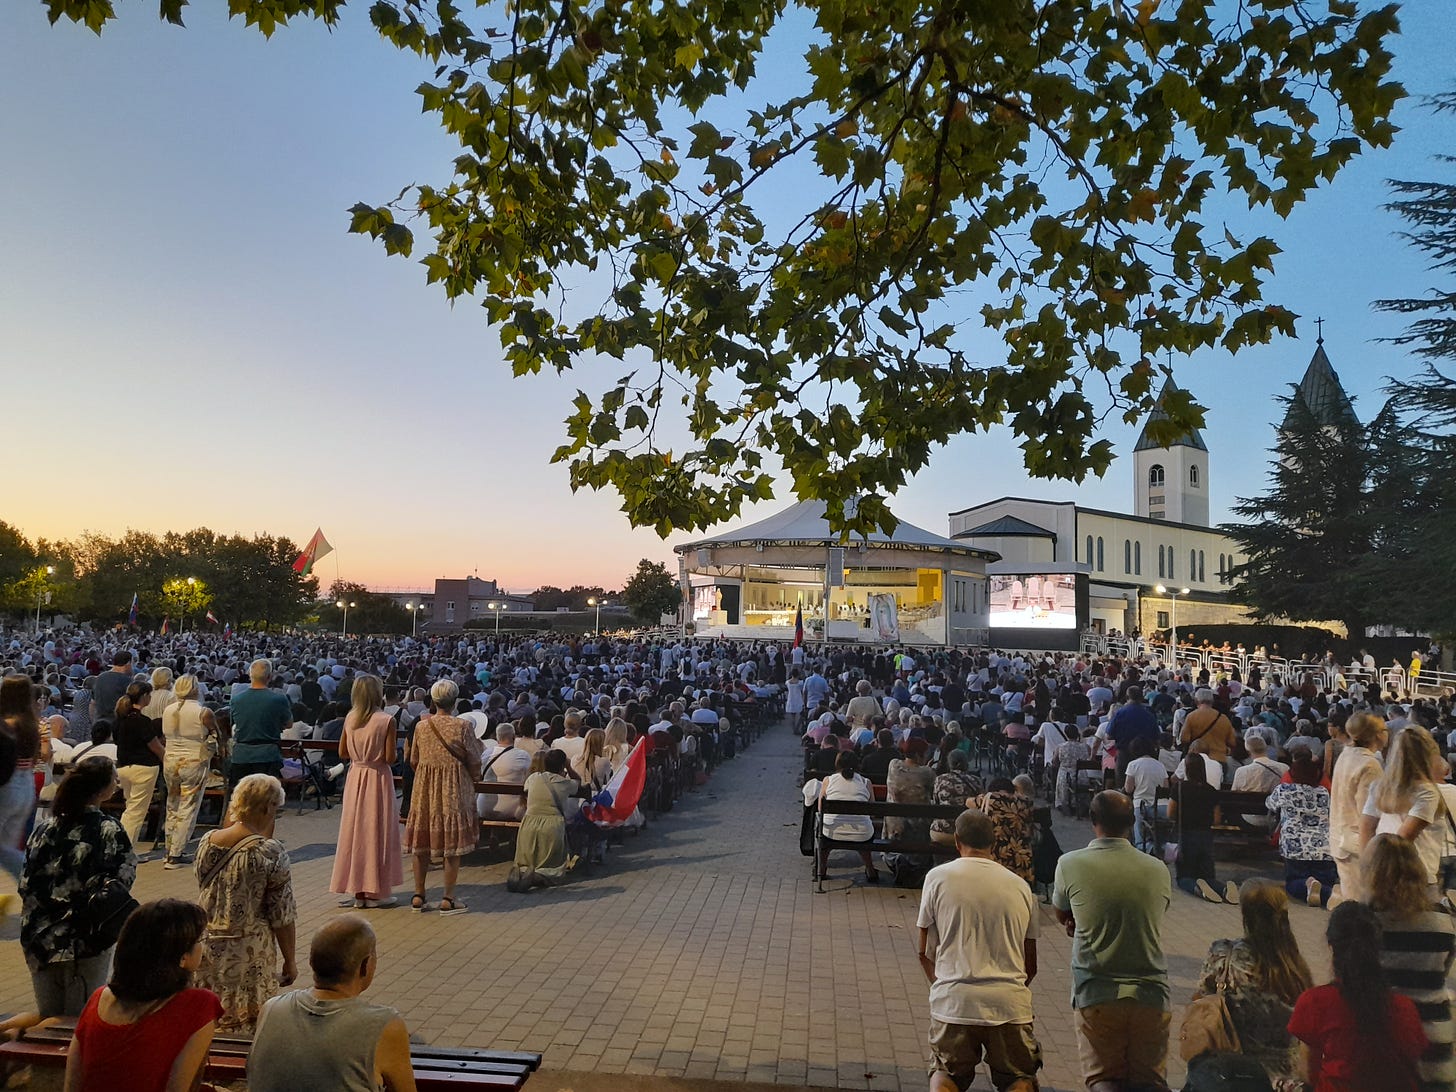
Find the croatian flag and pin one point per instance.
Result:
(131, 616)
(614, 805)
(227, 631)
(798, 627)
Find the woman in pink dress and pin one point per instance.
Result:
(368, 863)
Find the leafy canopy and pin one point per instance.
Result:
(651, 592)
(793, 270)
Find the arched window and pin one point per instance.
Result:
(1100, 567)
(1201, 578)
(1172, 573)
(1162, 566)
(1137, 559)
(1088, 557)
(1127, 555)
(1221, 568)
(1193, 475)
(1192, 564)
(1155, 475)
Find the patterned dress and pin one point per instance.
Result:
(954, 788)
(246, 897)
(1260, 1018)
(442, 819)
(1011, 823)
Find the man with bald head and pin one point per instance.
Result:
(1112, 899)
(329, 1037)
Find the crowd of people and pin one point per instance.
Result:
(1356, 795)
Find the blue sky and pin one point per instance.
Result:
(191, 337)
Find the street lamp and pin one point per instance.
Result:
(1172, 618)
(592, 602)
(50, 570)
(414, 609)
(345, 608)
(191, 583)
(496, 608)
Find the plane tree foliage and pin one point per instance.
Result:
(937, 217)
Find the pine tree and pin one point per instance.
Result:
(1308, 539)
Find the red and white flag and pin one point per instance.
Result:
(212, 617)
(317, 547)
(614, 804)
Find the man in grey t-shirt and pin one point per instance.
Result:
(329, 1037)
(110, 685)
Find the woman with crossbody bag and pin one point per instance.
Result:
(442, 825)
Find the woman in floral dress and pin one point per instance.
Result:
(954, 785)
(245, 885)
(442, 825)
(1010, 814)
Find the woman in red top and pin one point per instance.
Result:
(146, 1031)
(1358, 1034)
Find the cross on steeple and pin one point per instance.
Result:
(1319, 324)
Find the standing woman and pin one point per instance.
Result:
(794, 700)
(1356, 771)
(442, 825)
(368, 863)
(72, 858)
(20, 723)
(1417, 945)
(189, 732)
(1408, 800)
(245, 885)
(139, 750)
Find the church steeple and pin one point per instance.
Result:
(1170, 480)
(1322, 391)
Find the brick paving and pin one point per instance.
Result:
(699, 952)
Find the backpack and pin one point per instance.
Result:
(1225, 1072)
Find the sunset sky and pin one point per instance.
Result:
(188, 335)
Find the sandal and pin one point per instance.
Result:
(456, 907)
(418, 903)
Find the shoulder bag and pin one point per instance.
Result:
(205, 880)
(1207, 1026)
(472, 769)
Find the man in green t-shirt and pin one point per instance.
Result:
(1112, 900)
(259, 716)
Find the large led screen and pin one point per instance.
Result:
(1034, 601)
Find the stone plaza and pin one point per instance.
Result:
(700, 952)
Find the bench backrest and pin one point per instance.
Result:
(883, 810)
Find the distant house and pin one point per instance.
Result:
(472, 599)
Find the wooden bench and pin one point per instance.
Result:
(437, 1069)
(879, 812)
(1233, 807)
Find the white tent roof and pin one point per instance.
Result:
(805, 524)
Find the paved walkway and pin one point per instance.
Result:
(699, 952)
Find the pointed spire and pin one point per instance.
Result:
(1145, 441)
(1322, 392)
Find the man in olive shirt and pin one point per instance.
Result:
(260, 715)
(1112, 900)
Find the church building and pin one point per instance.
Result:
(1136, 564)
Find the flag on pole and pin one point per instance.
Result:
(164, 625)
(227, 632)
(798, 627)
(131, 615)
(212, 617)
(317, 547)
(614, 804)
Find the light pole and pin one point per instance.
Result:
(50, 570)
(345, 608)
(495, 608)
(595, 602)
(191, 583)
(1172, 618)
(414, 609)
